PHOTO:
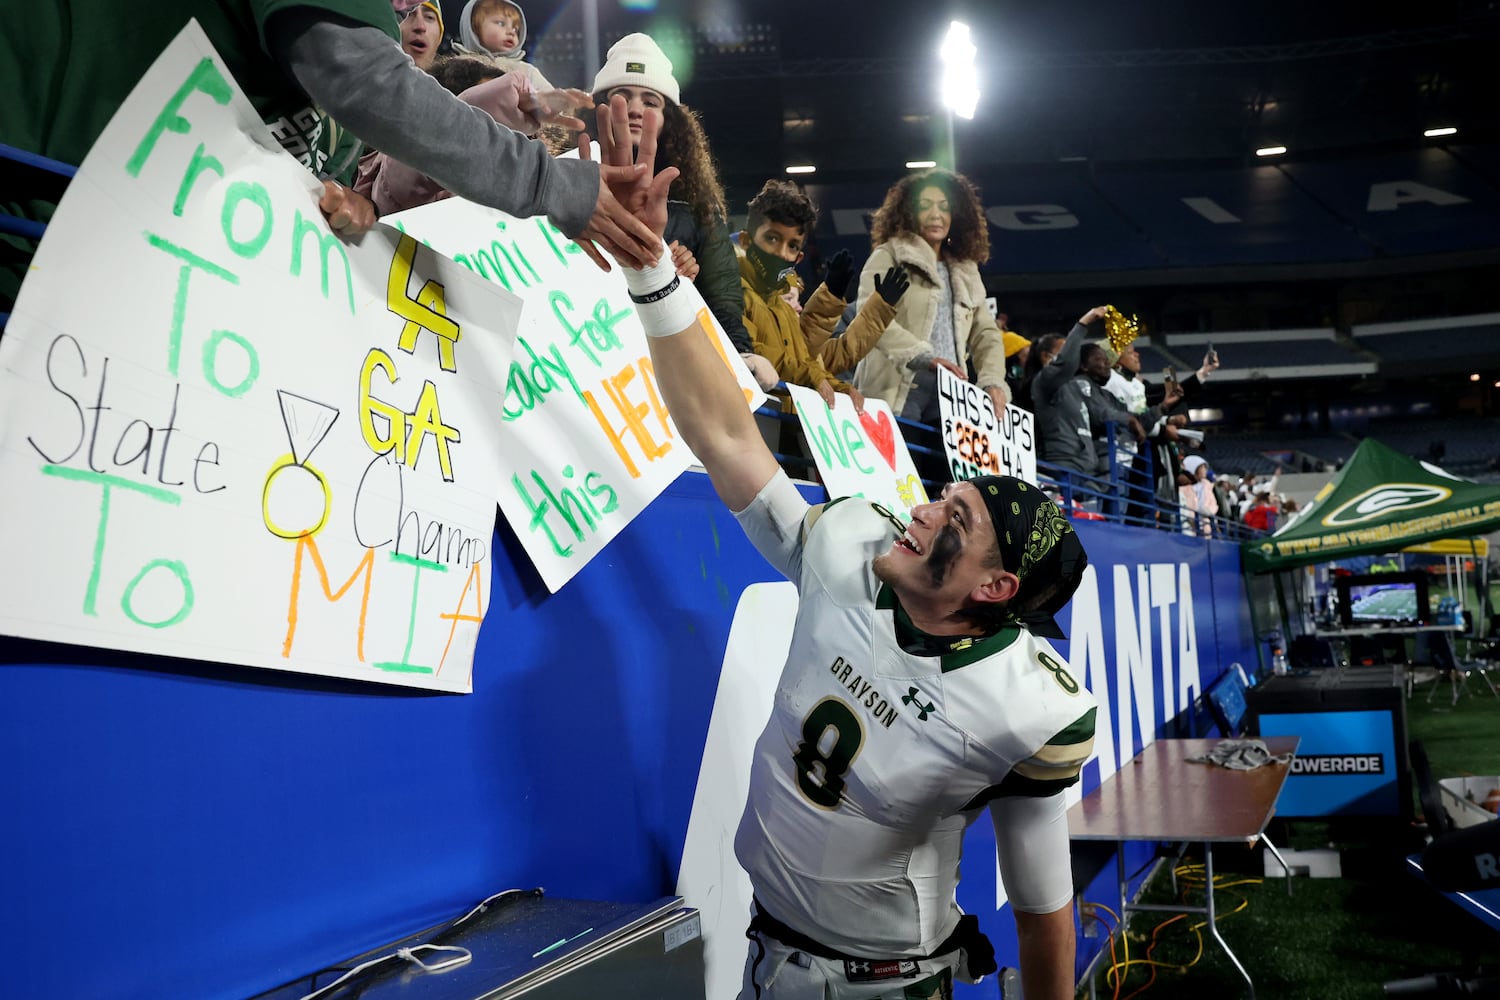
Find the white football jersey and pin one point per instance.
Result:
(874, 759)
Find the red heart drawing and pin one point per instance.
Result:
(882, 434)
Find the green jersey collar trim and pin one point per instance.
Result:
(956, 651)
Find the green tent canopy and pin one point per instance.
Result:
(1382, 501)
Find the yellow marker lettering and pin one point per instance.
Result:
(426, 311)
(394, 438)
(428, 419)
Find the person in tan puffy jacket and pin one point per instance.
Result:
(800, 344)
(932, 222)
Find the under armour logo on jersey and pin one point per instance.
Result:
(911, 698)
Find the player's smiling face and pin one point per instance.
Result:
(946, 558)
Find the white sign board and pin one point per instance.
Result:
(977, 440)
(229, 435)
(587, 443)
(859, 454)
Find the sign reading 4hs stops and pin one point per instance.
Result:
(978, 441)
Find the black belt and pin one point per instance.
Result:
(966, 936)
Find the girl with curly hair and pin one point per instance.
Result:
(697, 219)
(932, 222)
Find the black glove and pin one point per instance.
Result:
(840, 270)
(893, 284)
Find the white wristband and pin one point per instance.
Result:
(666, 304)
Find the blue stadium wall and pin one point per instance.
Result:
(184, 829)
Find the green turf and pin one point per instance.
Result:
(1333, 939)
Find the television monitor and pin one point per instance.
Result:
(1226, 702)
(1383, 599)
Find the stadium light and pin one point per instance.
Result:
(960, 80)
(802, 168)
(920, 164)
(1270, 151)
(1433, 133)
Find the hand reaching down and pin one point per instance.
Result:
(826, 391)
(945, 363)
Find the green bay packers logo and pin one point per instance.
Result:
(1377, 501)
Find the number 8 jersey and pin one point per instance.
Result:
(875, 759)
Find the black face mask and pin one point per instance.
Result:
(770, 270)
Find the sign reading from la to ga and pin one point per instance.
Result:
(228, 434)
(859, 454)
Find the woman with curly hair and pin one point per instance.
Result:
(697, 219)
(932, 222)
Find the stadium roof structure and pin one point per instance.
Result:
(853, 89)
(1382, 501)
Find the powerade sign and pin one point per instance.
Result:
(1345, 764)
(1328, 763)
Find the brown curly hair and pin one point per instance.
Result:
(682, 144)
(968, 236)
(781, 202)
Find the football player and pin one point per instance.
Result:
(919, 692)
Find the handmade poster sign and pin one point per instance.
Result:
(860, 454)
(585, 440)
(977, 440)
(228, 434)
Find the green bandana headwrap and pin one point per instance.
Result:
(1038, 545)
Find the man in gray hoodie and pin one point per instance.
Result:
(314, 71)
(1072, 408)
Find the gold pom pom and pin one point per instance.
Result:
(1119, 330)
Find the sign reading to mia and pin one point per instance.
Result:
(229, 434)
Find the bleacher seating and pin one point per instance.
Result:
(1454, 339)
(1282, 354)
(1468, 445)
(1261, 452)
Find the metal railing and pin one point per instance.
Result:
(1128, 493)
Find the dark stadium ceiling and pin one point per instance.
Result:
(851, 87)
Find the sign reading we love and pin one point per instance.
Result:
(860, 454)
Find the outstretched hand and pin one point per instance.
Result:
(893, 284)
(632, 211)
(554, 107)
(612, 225)
(1093, 315)
(627, 169)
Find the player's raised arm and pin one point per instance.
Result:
(700, 391)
